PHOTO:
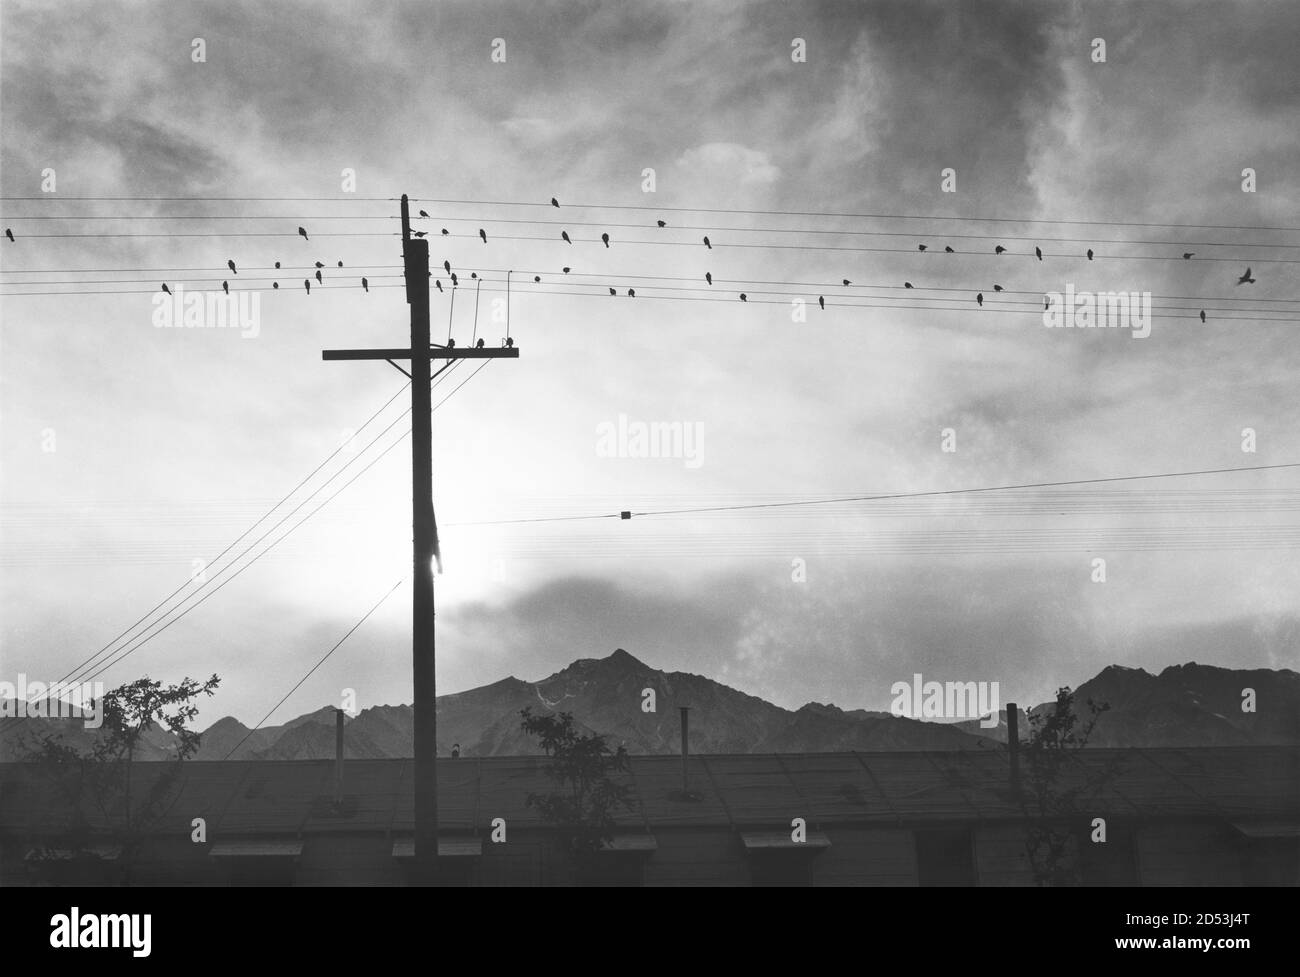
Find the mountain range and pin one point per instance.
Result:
(1184, 705)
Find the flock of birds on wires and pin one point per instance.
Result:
(977, 296)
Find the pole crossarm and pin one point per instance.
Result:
(435, 353)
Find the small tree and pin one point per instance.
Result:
(1053, 806)
(104, 774)
(583, 765)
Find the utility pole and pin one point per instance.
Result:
(415, 262)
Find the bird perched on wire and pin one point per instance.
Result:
(744, 297)
(454, 280)
(979, 299)
(706, 243)
(1038, 253)
(1202, 315)
(365, 285)
(340, 264)
(277, 264)
(999, 249)
(631, 293)
(9, 233)
(846, 281)
(418, 233)
(318, 277)
(445, 232)
(230, 263)
(613, 291)
(320, 264)
(275, 284)
(1090, 254)
(303, 232)
(662, 223)
(225, 287)
(424, 213)
(554, 202)
(537, 278)
(821, 300)
(565, 269)
(605, 238)
(307, 285)
(1188, 254)
(166, 289)
(1246, 279)
(483, 234)
(907, 285)
(920, 247)
(997, 288)
(564, 235)
(446, 265)
(948, 249)
(438, 282)
(708, 277)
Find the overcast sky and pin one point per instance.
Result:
(168, 443)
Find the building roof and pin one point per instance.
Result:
(743, 792)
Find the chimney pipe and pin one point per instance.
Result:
(1013, 743)
(338, 758)
(686, 786)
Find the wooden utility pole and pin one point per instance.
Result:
(415, 261)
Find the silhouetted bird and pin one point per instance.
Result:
(418, 233)
(438, 282)
(948, 249)
(997, 288)
(483, 234)
(1038, 253)
(424, 213)
(454, 280)
(9, 233)
(631, 293)
(821, 300)
(275, 284)
(318, 277)
(447, 266)
(473, 274)
(307, 284)
(613, 292)
(661, 223)
(907, 285)
(565, 236)
(1090, 254)
(979, 299)
(445, 232)
(166, 289)
(708, 277)
(846, 281)
(554, 202)
(1202, 315)
(1246, 279)
(225, 287)
(303, 232)
(566, 270)
(230, 263)
(509, 342)
(743, 297)
(320, 264)
(1188, 254)
(605, 238)
(277, 264)
(451, 344)
(920, 247)
(365, 285)
(706, 243)
(537, 278)
(999, 249)
(340, 264)
(479, 344)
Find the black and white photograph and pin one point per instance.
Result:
(585, 444)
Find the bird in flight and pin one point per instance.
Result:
(1246, 279)
(1090, 254)
(706, 243)
(565, 235)
(979, 299)
(662, 223)
(554, 202)
(1038, 253)
(365, 284)
(230, 263)
(166, 289)
(9, 233)
(605, 238)
(303, 232)
(999, 249)
(1188, 254)
(708, 277)
(483, 234)
(225, 287)
(424, 213)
